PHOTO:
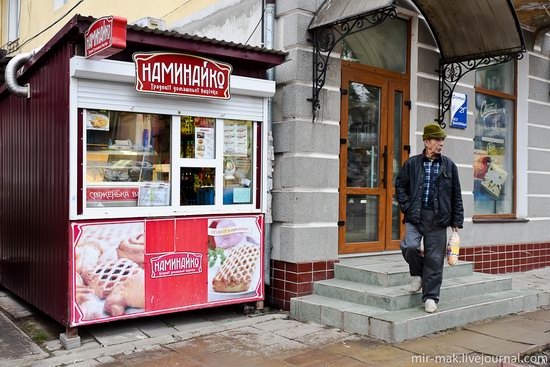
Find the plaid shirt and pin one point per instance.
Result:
(431, 171)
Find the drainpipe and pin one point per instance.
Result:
(11, 75)
(269, 20)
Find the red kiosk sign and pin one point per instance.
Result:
(105, 37)
(181, 74)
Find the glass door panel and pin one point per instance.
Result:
(373, 138)
(361, 218)
(363, 135)
(363, 163)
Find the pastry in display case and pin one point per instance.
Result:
(127, 155)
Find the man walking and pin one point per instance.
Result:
(428, 192)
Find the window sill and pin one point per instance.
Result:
(500, 220)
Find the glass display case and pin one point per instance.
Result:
(127, 159)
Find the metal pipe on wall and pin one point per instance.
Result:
(10, 75)
(268, 40)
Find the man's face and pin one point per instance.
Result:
(433, 146)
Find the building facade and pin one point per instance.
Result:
(333, 169)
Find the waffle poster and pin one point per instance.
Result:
(125, 269)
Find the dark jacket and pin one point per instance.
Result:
(448, 210)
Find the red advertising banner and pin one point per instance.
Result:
(124, 269)
(112, 194)
(181, 74)
(105, 37)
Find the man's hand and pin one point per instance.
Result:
(455, 229)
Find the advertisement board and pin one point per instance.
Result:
(105, 37)
(124, 269)
(182, 75)
(459, 110)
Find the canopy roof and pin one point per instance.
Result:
(463, 30)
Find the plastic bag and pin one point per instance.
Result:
(453, 248)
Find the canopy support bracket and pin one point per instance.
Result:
(451, 72)
(326, 38)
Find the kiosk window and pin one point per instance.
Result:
(127, 159)
(237, 162)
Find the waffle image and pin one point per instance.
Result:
(106, 277)
(235, 274)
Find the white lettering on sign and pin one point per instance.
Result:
(174, 264)
(183, 74)
(99, 36)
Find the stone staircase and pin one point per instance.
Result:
(370, 296)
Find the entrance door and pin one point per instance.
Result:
(374, 132)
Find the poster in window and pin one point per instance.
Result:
(97, 120)
(235, 139)
(204, 143)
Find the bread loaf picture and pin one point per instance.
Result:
(235, 274)
(109, 262)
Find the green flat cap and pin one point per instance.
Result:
(433, 131)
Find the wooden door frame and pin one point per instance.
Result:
(388, 82)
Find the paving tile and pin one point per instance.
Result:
(466, 339)
(172, 360)
(187, 323)
(352, 346)
(299, 330)
(342, 362)
(116, 334)
(542, 315)
(14, 343)
(14, 307)
(234, 359)
(431, 347)
(387, 356)
(504, 348)
(472, 360)
(323, 337)
(315, 357)
(278, 324)
(526, 324)
(153, 327)
(512, 331)
(203, 345)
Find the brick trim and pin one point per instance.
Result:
(294, 280)
(499, 259)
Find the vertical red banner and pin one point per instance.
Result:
(176, 263)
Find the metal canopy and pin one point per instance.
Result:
(466, 30)
(469, 34)
(335, 11)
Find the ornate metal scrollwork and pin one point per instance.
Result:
(326, 38)
(451, 73)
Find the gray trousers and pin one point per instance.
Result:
(429, 266)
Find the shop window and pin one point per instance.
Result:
(129, 162)
(237, 162)
(494, 141)
(127, 159)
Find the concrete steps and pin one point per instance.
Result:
(371, 296)
(396, 326)
(400, 297)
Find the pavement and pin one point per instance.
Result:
(225, 336)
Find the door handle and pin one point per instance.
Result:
(385, 176)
